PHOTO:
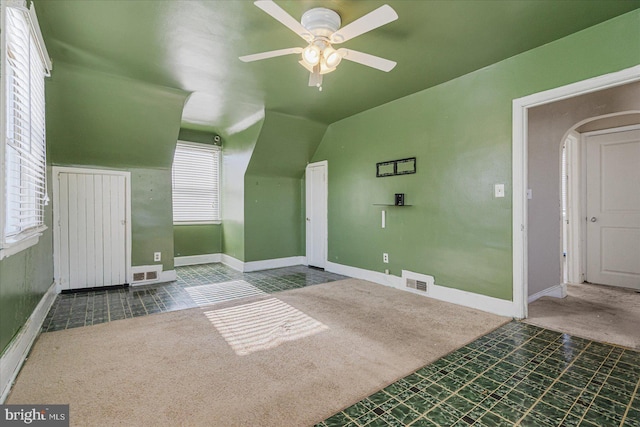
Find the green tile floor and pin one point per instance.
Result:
(516, 375)
(216, 281)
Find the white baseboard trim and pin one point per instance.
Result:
(181, 261)
(232, 262)
(456, 296)
(18, 349)
(557, 291)
(266, 264)
(167, 276)
(274, 263)
(360, 273)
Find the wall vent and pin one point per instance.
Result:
(143, 274)
(417, 281)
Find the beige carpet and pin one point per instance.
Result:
(339, 342)
(596, 312)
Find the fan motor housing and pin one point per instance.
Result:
(321, 22)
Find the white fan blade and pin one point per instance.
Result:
(270, 54)
(366, 59)
(284, 18)
(372, 20)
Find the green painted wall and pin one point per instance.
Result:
(198, 239)
(285, 145)
(460, 132)
(151, 217)
(273, 214)
(24, 278)
(104, 121)
(236, 154)
(274, 208)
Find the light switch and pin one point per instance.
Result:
(529, 194)
(498, 190)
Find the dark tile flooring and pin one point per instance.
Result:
(517, 375)
(195, 286)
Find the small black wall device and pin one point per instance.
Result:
(399, 199)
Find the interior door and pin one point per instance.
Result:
(613, 208)
(316, 214)
(91, 246)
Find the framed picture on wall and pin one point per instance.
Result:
(396, 167)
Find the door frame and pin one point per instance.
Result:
(56, 170)
(325, 165)
(574, 264)
(520, 170)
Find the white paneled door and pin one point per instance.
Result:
(91, 213)
(316, 214)
(613, 208)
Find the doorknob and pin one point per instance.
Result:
(594, 219)
(308, 219)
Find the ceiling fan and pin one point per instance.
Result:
(320, 28)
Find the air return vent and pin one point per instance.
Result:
(416, 281)
(418, 285)
(143, 274)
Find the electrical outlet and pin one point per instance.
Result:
(157, 256)
(385, 258)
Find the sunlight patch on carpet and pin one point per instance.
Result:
(220, 292)
(262, 325)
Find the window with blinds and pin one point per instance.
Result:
(23, 149)
(196, 183)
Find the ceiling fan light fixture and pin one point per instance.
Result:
(324, 69)
(311, 55)
(321, 22)
(331, 57)
(320, 28)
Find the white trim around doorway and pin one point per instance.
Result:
(520, 166)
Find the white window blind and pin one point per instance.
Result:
(24, 143)
(196, 183)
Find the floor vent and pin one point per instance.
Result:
(417, 281)
(143, 274)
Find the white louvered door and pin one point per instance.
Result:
(92, 232)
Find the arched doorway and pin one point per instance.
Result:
(599, 178)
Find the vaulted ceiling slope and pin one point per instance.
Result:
(194, 46)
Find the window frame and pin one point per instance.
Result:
(218, 153)
(13, 244)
